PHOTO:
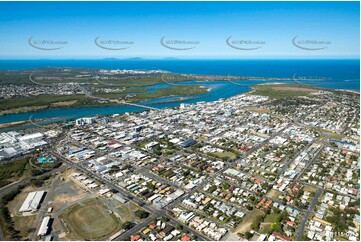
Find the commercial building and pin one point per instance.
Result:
(13, 144)
(84, 121)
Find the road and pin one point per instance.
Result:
(44, 207)
(5, 190)
(301, 228)
(155, 212)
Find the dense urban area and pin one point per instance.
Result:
(278, 163)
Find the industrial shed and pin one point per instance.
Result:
(32, 202)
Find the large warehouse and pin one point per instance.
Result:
(32, 202)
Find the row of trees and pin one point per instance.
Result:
(5, 216)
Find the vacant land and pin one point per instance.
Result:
(265, 228)
(126, 211)
(67, 192)
(64, 104)
(245, 225)
(225, 154)
(272, 218)
(258, 110)
(310, 189)
(274, 194)
(90, 220)
(330, 134)
(277, 91)
(293, 89)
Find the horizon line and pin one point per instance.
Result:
(175, 58)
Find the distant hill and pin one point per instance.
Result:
(134, 58)
(169, 58)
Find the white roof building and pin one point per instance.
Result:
(44, 226)
(32, 202)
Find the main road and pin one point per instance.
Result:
(156, 212)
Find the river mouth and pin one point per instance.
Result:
(216, 91)
(341, 74)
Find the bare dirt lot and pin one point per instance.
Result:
(294, 89)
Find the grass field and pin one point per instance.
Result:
(90, 220)
(24, 224)
(272, 217)
(126, 211)
(225, 154)
(310, 189)
(277, 91)
(274, 194)
(330, 134)
(265, 228)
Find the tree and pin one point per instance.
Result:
(150, 186)
(141, 214)
(304, 238)
(164, 219)
(225, 186)
(114, 169)
(247, 235)
(179, 227)
(276, 227)
(127, 225)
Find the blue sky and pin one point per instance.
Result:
(209, 24)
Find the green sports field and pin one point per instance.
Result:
(90, 220)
